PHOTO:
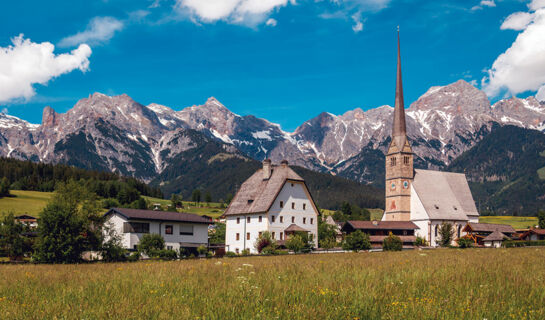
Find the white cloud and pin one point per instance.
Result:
(488, 3)
(99, 30)
(358, 23)
(541, 94)
(536, 4)
(245, 12)
(271, 22)
(521, 67)
(25, 63)
(517, 21)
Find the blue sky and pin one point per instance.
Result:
(282, 60)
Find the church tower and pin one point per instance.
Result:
(399, 159)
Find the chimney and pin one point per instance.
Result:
(267, 170)
(284, 163)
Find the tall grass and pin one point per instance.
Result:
(434, 284)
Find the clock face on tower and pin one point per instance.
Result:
(405, 184)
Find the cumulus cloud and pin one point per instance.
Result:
(536, 4)
(484, 3)
(245, 12)
(25, 63)
(517, 21)
(521, 67)
(99, 30)
(541, 94)
(358, 23)
(271, 22)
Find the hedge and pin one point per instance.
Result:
(523, 243)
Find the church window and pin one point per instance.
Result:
(392, 161)
(436, 230)
(459, 230)
(405, 160)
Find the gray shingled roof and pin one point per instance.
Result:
(445, 195)
(137, 214)
(256, 194)
(491, 227)
(495, 236)
(295, 228)
(383, 225)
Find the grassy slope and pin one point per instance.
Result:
(516, 222)
(31, 202)
(431, 284)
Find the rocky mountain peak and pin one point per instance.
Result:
(50, 118)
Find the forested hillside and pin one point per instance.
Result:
(504, 171)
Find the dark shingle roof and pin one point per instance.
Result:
(491, 227)
(383, 225)
(257, 194)
(404, 239)
(294, 228)
(137, 214)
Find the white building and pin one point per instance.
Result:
(274, 199)
(184, 230)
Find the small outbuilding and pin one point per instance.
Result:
(494, 240)
(479, 231)
(533, 235)
(379, 230)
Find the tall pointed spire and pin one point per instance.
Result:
(399, 130)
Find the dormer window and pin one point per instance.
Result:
(293, 205)
(250, 201)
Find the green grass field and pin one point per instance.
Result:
(429, 284)
(30, 202)
(516, 222)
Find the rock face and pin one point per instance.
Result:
(121, 135)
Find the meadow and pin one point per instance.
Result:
(29, 202)
(428, 284)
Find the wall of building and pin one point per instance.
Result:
(240, 225)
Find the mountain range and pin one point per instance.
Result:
(118, 134)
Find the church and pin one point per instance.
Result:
(426, 197)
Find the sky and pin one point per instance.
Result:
(283, 60)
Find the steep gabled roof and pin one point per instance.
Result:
(257, 194)
(445, 195)
(137, 214)
(495, 236)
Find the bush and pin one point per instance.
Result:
(357, 241)
(230, 254)
(523, 243)
(13, 241)
(328, 243)
(270, 250)
(264, 241)
(295, 243)
(420, 242)
(245, 252)
(465, 243)
(392, 243)
(150, 243)
(110, 203)
(446, 234)
(134, 256)
(202, 250)
(167, 254)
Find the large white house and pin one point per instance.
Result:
(274, 199)
(180, 230)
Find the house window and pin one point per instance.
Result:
(248, 219)
(281, 204)
(247, 236)
(281, 219)
(238, 237)
(169, 247)
(459, 230)
(273, 218)
(273, 235)
(405, 160)
(135, 227)
(292, 219)
(260, 218)
(236, 250)
(311, 220)
(281, 235)
(260, 233)
(293, 205)
(168, 229)
(238, 220)
(304, 206)
(292, 184)
(186, 230)
(304, 220)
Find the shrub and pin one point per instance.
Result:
(420, 242)
(202, 250)
(392, 243)
(465, 243)
(270, 250)
(446, 234)
(151, 242)
(245, 252)
(230, 254)
(357, 241)
(328, 243)
(110, 203)
(167, 254)
(13, 242)
(134, 256)
(295, 243)
(522, 243)
(265, 240)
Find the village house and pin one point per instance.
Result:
(273, 199)
(379, 230)
(180, 230)
(28, 220)
(488, 234)
(533, 235)
(427, 198)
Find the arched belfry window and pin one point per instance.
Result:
(406, 160)
(392, 161)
